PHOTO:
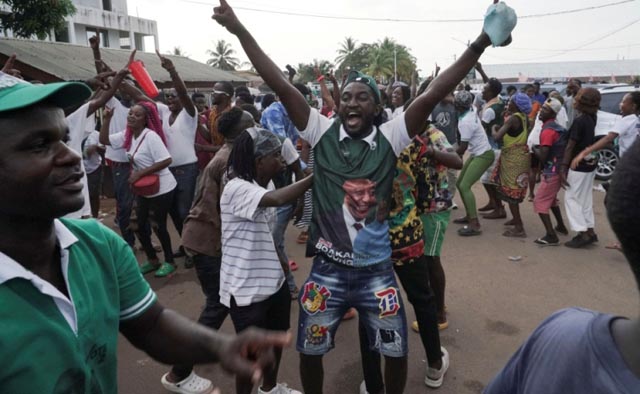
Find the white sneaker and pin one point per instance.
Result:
(281, 388)
(435, 377)
(193, 384)
(363, 388)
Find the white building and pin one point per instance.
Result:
(109, 17)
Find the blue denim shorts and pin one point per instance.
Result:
(332, 289)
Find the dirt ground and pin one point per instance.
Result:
(493, 303)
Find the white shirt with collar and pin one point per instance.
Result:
(11, 269)
(395, 131)
(350, 222)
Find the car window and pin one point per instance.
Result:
(611, 102)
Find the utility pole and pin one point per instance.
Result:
(395, 63)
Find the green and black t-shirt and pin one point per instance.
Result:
(352, 189)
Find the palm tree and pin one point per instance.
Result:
(222, 56)
(346, 50)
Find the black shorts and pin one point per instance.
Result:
(535, 162)
(274, 313)
(94, 182)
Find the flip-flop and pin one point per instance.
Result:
(614, 246)
(462, 220)
(293, 265)
(542, 241)
(467, 231)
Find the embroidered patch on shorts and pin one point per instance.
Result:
(314, 299)
(316, 335)
(389, 304)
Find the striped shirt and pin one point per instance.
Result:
(251, 271)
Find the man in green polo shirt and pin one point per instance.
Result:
(355, 158)
(67, 287)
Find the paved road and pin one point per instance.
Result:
(493, 304)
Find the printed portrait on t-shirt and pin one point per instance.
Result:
(359, 199)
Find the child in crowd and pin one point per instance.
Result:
(252, 276)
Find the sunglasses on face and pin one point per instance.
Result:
(221, 92)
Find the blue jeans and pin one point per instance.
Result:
(282, 220)
(332, 289)
(187, 177)
(124, 199)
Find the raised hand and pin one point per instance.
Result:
(225, 16)
(165, 62)
(132, 57)
(94, 42)
(251, 352)
(107, 114)
(9, 67)
(102, 79)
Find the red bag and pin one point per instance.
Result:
(148, 185)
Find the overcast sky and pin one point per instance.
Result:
(588, 35)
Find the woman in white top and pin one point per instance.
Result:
(252, 279)
(474, 138)
(144, 142)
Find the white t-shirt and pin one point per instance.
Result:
(181, 135)
(397, 112)
(488, 115)
(628, 129)
(289, 152)
(534, 136)
(118, 123)
(92, 162)
(251, 270)
(472, 132)
(150, 152)
(395, 131)
(562, 119)
(80, 126)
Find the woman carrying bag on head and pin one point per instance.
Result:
(151, 180)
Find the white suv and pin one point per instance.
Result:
(608, 114)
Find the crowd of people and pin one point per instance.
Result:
(371, 182)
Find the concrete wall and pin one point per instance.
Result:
(111, 20)
(88, 3)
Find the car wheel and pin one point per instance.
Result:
(607, 161)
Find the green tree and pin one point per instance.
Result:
(178, 51)
(351, 56)
(222, 56)
(306, 71)
(346, 51)
(35, 17)
(387, 56)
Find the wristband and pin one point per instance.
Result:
(320, 78)
(476, 48)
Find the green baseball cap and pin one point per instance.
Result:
(16, 93)
(357, 76)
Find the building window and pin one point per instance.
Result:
(106, 5)
(104, 37)
(62, 35)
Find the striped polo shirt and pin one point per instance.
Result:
(251, 271)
